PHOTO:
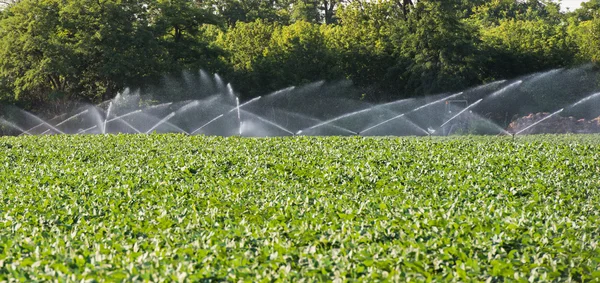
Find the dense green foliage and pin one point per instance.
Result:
(60, 51)
(173, 207)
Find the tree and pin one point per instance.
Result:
(244, 47)
(586, 34)
(435, 51)
(305, 10)
(245, 43)
(297, 54)
(114, 43)
(494, 11)
(234, 11)
(33, 60)
(6, 3)
(361, 43)
(74, 50)
(587, 11)
(526, 46)
(90, 49)
(177, 25)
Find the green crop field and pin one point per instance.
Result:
(176, 208)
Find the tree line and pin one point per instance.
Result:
(54, 51)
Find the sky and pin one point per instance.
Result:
(571, 4)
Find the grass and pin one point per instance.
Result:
(176, 208)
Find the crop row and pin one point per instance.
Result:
(175, 208)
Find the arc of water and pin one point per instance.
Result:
(298, 115)
(136, 112)
(401, 101)
(411, 111)
(278, 92)
(42, 121)
(230, 90)
(206, 81)
(275, 124)
(32, 128)
(585, 100)
(489, 84)
(187, 106)
(100, 123)
(165, 119)
(107, 116)
(12, 125)
(271, 123)
(41, 124)
(335, 126)
(87, 130)
(237, 101)
(337, 118)
(543, 119)
(95, 113)
(56, 117)
(462, 111)
(538, 76)
(237, 108)
(247, 102)
(130, 126)
(415, 126)
(504, 89)
(208, 123)
(158, 105)
(315, 120)
(386, 121)
(73, 117)
(122, 121)
(124, 115)
(434, 102)
(219, 82)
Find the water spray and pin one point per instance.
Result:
(336, 127)
(82, 131)
(271, 123)
(386, 121)
(12, 125)
(461, 112)
(161, 122)
(237, 101)
(543, 119)
(73, 117)
(107, 116)
(338, 118)
(230, 90)
(42, 121)
(38, 125)
(504, 89)
(585, 100)
(209, 122)
(411, 111)
(124, 115)
(458, 114)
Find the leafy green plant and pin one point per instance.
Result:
(176, 208)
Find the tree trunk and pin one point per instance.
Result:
(404, 4)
